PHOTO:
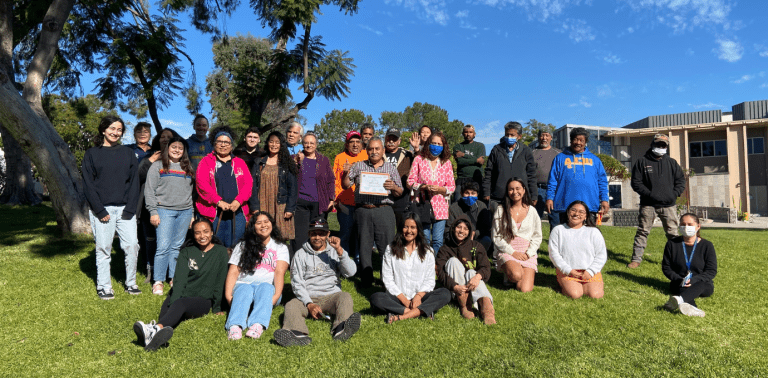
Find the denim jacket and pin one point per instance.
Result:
(288, 189)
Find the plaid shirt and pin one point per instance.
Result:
(366, 166)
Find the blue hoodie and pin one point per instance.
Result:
(577, 177)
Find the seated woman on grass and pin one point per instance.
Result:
(690, 264)
(577, 250)
(516, 233)
(408, 272)
(256, 277)
(201, 270)
(463, 267)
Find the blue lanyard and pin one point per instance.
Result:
(693, 250)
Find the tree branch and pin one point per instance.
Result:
(305, 53)
(6, 37)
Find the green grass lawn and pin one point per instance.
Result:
(53, 324)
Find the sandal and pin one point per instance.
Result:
(391, 318)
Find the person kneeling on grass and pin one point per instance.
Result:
(315, 271)
(463, 266)
(201, 270)
(577, 250)
(256, 277)
(408, 272)
(690, 264)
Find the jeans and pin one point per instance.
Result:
(258, 294)
(224, 230)
(103, 233)
(170, 237)
(434, 234)
(346, 223)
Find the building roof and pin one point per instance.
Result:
(694, 127)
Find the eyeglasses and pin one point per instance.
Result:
(223, 143)
(579, 212)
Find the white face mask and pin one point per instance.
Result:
(659, 151)
(688, 230)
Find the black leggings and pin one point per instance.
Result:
(305, 212)
(182, 309)
(432, 301)
(689, 294)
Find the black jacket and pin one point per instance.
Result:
(499, 170)
(658, 182)
(288, 188)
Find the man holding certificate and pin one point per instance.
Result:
(376, 184)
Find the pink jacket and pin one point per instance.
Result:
(206, 185)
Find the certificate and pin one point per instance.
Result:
(373, 183)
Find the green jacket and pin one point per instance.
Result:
(201, 274)
(467, 166)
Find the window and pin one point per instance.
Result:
(755, 146)
(709, 148)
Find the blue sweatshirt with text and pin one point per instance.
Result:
(577, 177)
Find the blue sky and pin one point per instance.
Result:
(486, 62)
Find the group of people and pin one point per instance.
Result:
(219, 222)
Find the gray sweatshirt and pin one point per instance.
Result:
(171, 189)
(316, 274)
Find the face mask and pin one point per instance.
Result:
(659, 151)
(435, 150)
(688, 230)
(511, 141)
(469, 200)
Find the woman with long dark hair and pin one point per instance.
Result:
(431, 179)
(577, 250)
(168, 194)
(224, 186)
(690, 263)
(256, 276)
(110, 178)
(408, 272)
(199, 275)
(516, 234)
(274, 184)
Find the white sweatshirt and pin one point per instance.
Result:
(580, 248)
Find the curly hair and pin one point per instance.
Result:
(226, 129)
(505, 227)
(253, 245)
(283, 157)
(398, 245)
(427, 154)
(186, 164)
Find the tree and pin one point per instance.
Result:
(334, 126)
(614, 169)
(320, 72)
(418, 114)
(531, 131)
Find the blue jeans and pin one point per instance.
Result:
(346, 223)
(103, 233)
(434, 234)
(224, 232)
(170, 237)
(258, 294)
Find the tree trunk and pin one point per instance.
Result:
(19, 186)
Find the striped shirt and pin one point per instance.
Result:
(366, 166)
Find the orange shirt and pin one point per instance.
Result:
(346, 196)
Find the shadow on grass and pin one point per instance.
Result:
(21, 224)
(617, 257)
(654, 283)
(116, 265)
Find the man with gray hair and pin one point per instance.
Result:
(544, 154)
(509, 159)
(293, 134)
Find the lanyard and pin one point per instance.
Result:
(693, 250)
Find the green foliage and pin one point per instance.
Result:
(77, 120)
(531, 130)
(626, 334)
(418, 114)
(614, 169)
(334, 127)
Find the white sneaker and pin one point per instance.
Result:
(691, 310)
(672, 304)
(144, 332)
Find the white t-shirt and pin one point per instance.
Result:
(265, 271)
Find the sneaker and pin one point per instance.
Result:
(134, 290)
(159, 338)
(144, 332)
(157, 288)
(633, 265)
(691, 310)
(672, 304)
(105, 294)
(254, 331)
(349, 327)
(235, 333)
(288, 338)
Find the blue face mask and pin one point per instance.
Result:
(469, 200)
(511, 141)
(435, 149)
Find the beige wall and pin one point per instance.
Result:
(710, 190)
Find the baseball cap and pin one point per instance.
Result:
(393, 131)
(353, 134)
(661, 138)
(318, 223)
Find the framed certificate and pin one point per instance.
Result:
(372, 183)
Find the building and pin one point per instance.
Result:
(724, 150)
(598, 142)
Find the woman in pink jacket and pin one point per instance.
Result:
(224, 186)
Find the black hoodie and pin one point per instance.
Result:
(498, 170)
(658, 182)
(470, 251)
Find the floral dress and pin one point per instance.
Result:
(422, 173)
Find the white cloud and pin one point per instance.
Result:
(707, 105)
(541, 10)
(743, 79)
(630, 30)
(583, 102)
(761, 50)
(432, 10)
(577, 30)
(729, 50)
(370, 29)
(169, 122)
(611, 58)
(684, 15)
(604, 91)
(462, 14)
